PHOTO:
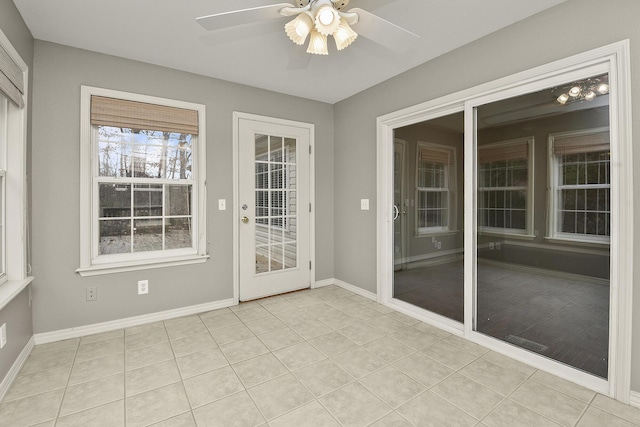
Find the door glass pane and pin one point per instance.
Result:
(544, 226)
(429, 216)
(276, 203)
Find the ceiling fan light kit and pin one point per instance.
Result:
(299, 28)
(318, 19)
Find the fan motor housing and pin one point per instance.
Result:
(338, 4)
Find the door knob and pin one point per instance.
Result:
(245, 219)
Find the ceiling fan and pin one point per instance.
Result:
(318, 19)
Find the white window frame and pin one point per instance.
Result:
(529, 224)
(90, 262)
(449, 188)
(15, 252)
(553, 221)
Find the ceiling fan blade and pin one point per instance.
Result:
(243, 16)
(383, 32)
(298, 58)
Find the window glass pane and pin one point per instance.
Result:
(178, 233)
(428, 196)
(147, 235)
(135, 153)
(115, 200)
(115, 237)
(147, 200)
(547, 293)
(178, 200)
(2, 227)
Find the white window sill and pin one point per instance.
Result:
(437, 233)
(10, 289)
(578, 242)
(520, 236)
(121, 267)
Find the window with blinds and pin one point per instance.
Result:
(504, 186)
(434, 172)
(146, 180)
(581, 193)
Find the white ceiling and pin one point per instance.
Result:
(164, 32)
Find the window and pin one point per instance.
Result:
(581, 186)
(504, 187)
(13, 116)
(145, 162)
(434, 176)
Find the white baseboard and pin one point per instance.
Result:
(15, 368)
(322, 283)
(355, 290)
(81, 331)
(634, 399)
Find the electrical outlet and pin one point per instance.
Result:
(92, 293)
(3, 335)
(364, 204)
(143, 287)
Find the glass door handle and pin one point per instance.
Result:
(396, 212)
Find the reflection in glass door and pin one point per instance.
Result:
(399, 206)
(544, 222)
(429, 272)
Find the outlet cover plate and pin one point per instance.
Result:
(143, 287)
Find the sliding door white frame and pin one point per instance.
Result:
(614, 59)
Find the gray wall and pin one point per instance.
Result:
(59, 293)
(546, 37)
(17, 314)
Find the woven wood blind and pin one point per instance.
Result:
(139, 115)
(582, 143)
(11, 79)
(432, 155)
(502, 153)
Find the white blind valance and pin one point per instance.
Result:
(428, 154)
(588, 143)
(139, 115)
(501, 153)
(11, 78)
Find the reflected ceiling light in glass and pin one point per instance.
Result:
(603, 88)
(575, 91)
(562, 99)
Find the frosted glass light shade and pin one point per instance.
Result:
(327, 20)
(344, 35)
(299, 28)
(562, 99)
(318, 44)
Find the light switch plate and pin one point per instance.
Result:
(222, 204)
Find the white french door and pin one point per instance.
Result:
(273, 206)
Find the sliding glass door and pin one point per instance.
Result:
(543, 227)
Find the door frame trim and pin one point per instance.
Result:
(617, 56)
(237, 116)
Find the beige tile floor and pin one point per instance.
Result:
(323, 357)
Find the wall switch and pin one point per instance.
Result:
(3, 335)
(143, 287)
(92, 293)
(364, 204)
(222, 204)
